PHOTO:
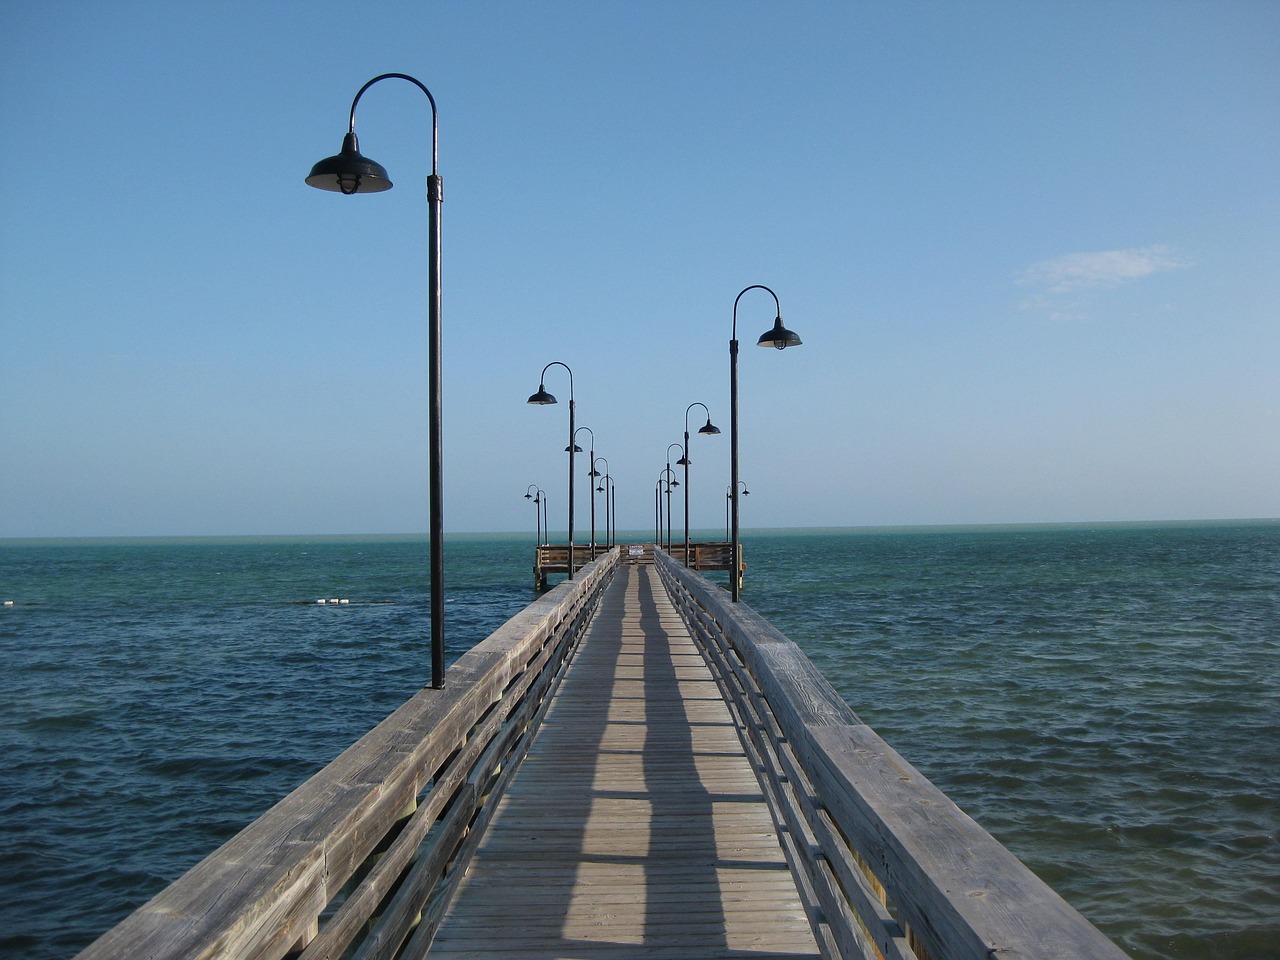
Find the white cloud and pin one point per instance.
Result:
(1104, 268)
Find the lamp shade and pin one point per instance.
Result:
(542, 397)
(779, 337)
(710, 428)
(349, 172)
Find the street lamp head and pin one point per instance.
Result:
(575, 448)
(349, 172)
(779, 337)
(542, 397)
(709, 429)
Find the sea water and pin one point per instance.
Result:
(1104, 700)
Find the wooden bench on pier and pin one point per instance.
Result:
(633, 766)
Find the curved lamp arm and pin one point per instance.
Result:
(435, 117)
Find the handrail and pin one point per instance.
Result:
(364, 856)
(887, 864)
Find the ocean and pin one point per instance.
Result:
(1105, 700)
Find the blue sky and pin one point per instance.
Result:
(1031, 248)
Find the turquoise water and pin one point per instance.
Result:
(1106, 701)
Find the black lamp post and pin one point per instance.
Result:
(709, 429)
(663, 485)
(671, 482)
(657, 512)
(537, 497)
(592, 474)
(780, 338)
(604, 480)
(543, 398)
(349, 173)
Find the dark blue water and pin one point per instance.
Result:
(1106, 701)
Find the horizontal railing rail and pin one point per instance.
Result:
(361, 860)
(890, 868)
(705, 554)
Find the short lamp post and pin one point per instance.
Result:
(709, 429)
(671, 482)
(780, 338)
(543, 398)
(348, 172)
(534, 492)
(603, 480)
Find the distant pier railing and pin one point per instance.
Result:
(361, 859)
(552, 558)
(890, 867)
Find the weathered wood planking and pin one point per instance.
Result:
(635, 826)
(956, 890)
(260, 895)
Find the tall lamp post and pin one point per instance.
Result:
(349, 173)
(709, 429)
(592, 474)
(543, 398)
(780, 338)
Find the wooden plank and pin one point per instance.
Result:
(635, 822)
(955, 888)
(260, 893)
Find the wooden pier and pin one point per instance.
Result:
(632, 767)
(635, 826)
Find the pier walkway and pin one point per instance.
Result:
(635, 826)
(634, 767)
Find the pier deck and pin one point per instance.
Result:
(632, 767)
(635, 826)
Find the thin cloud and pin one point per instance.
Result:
(1104, 268)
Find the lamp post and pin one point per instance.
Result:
(349, 173)
(604, 481)
(780, 338)
(543, 398)
(709, 429)
(657, 512)
(592, 474)
(728, 497)
(537, 498)
(671, 482)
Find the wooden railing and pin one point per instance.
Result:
(890, 868)
(361, 859)
(706, 555)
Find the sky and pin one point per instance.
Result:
(1032, 249)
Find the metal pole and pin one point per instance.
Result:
(571, 430)
(733, 460)
(593, 496)
(686, 488)
(434, 198)
(657, 513)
